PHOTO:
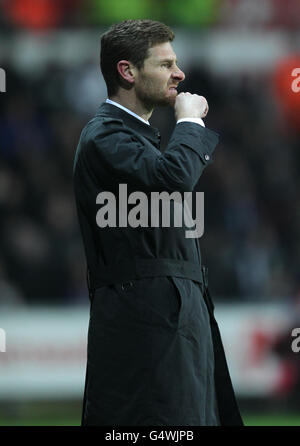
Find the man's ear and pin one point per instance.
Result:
(126, 70)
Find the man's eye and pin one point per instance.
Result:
(166, 65)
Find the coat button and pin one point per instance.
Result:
(126, 286)
(206, 157)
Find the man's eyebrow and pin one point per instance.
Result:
(169, 59)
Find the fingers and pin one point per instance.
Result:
(205, 111)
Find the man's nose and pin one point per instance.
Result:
(179, 75)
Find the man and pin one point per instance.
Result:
(155, 355)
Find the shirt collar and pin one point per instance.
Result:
(147, 130)
(109, 101)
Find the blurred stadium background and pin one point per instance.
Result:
(240, 55)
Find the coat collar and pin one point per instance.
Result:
(145, 130)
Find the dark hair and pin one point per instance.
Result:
(129, 40)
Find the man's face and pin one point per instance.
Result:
(155, 83)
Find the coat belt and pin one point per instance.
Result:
(141, 268)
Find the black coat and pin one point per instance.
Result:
(155, 355)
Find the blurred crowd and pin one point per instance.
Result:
(53, 14)
(251, 242)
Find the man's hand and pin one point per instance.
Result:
(189, 105)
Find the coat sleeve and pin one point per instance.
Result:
(130, 160)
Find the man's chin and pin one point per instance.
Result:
(171, 98)
(161, 101)
(170, 101)
(167, 101)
